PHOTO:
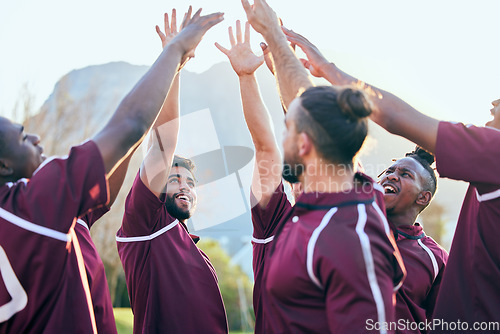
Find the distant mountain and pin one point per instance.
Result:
(84, 99)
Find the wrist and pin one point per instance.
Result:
(246, 76)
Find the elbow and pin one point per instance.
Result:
(132, 132)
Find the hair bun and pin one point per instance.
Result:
(422, 154)
(354, 103)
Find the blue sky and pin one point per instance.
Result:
(440, 56)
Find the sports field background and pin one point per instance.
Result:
(125, 321)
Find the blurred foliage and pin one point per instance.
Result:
(234, 284)
(434, 223)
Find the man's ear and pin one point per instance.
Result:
(304, 144)
(424, 198)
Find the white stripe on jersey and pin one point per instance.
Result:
(263, 241)
(81, 222)
(46, 161)
(18, 221)
(18, 296)
(370, 265)
(488, 196)
(312, 243)
(433, 258)
(148, 237)
(382, 216)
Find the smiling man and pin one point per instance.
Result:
(409, 186)
(172, 285)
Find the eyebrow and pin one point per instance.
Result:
(407, 170)
(178, 176)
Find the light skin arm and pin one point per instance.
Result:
(291, 76)
(156, 165)
(138, 110)
(390, 112)
(267, 170)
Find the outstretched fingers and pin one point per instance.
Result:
(231, 36)
(222, 49)
(238, 32)
(247, 32)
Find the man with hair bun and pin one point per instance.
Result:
(469, 294)
(329, 263)
(409, 186)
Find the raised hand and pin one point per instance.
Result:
(315, 62)
(243, 60)
(262, 17)
(170, 29)
(495, 112)
(192, 31)
(171, 32)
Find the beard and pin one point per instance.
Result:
(292, 170)
(175, 211)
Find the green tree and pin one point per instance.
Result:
(235, 286)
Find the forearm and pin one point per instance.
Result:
(267, 169)
(256, 115)
(291, 76)
(138, 109)
(115, 180)
(389, 111)
(162, 142)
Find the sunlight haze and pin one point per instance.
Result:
(440, 56)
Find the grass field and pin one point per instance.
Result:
(125, 321)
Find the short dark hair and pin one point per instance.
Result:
(335, 120)
(184, 162)
(426, 159)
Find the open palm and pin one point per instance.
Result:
(241, 57)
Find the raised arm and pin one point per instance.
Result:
(291, 75)
(163, 136)
(390, 112)
(267, 170)
(139, 108)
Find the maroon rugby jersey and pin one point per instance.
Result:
(425, 262)
(171, 283)
(96, 275)
(41, 290)
(470, 290)
(330, 264)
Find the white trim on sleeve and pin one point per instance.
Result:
(488, 196)
(148, 237)
(263, 241)
(81, 222)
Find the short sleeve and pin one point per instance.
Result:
(64, 188)
(92, 216)
(468, 153)
(265, 220)
(144, 212)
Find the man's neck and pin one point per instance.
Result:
(324, 177)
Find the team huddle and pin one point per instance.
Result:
(348, 256)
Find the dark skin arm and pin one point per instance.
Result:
(138, 110)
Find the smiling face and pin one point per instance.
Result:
(403, 184)
(20, 153)
(180, 193)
